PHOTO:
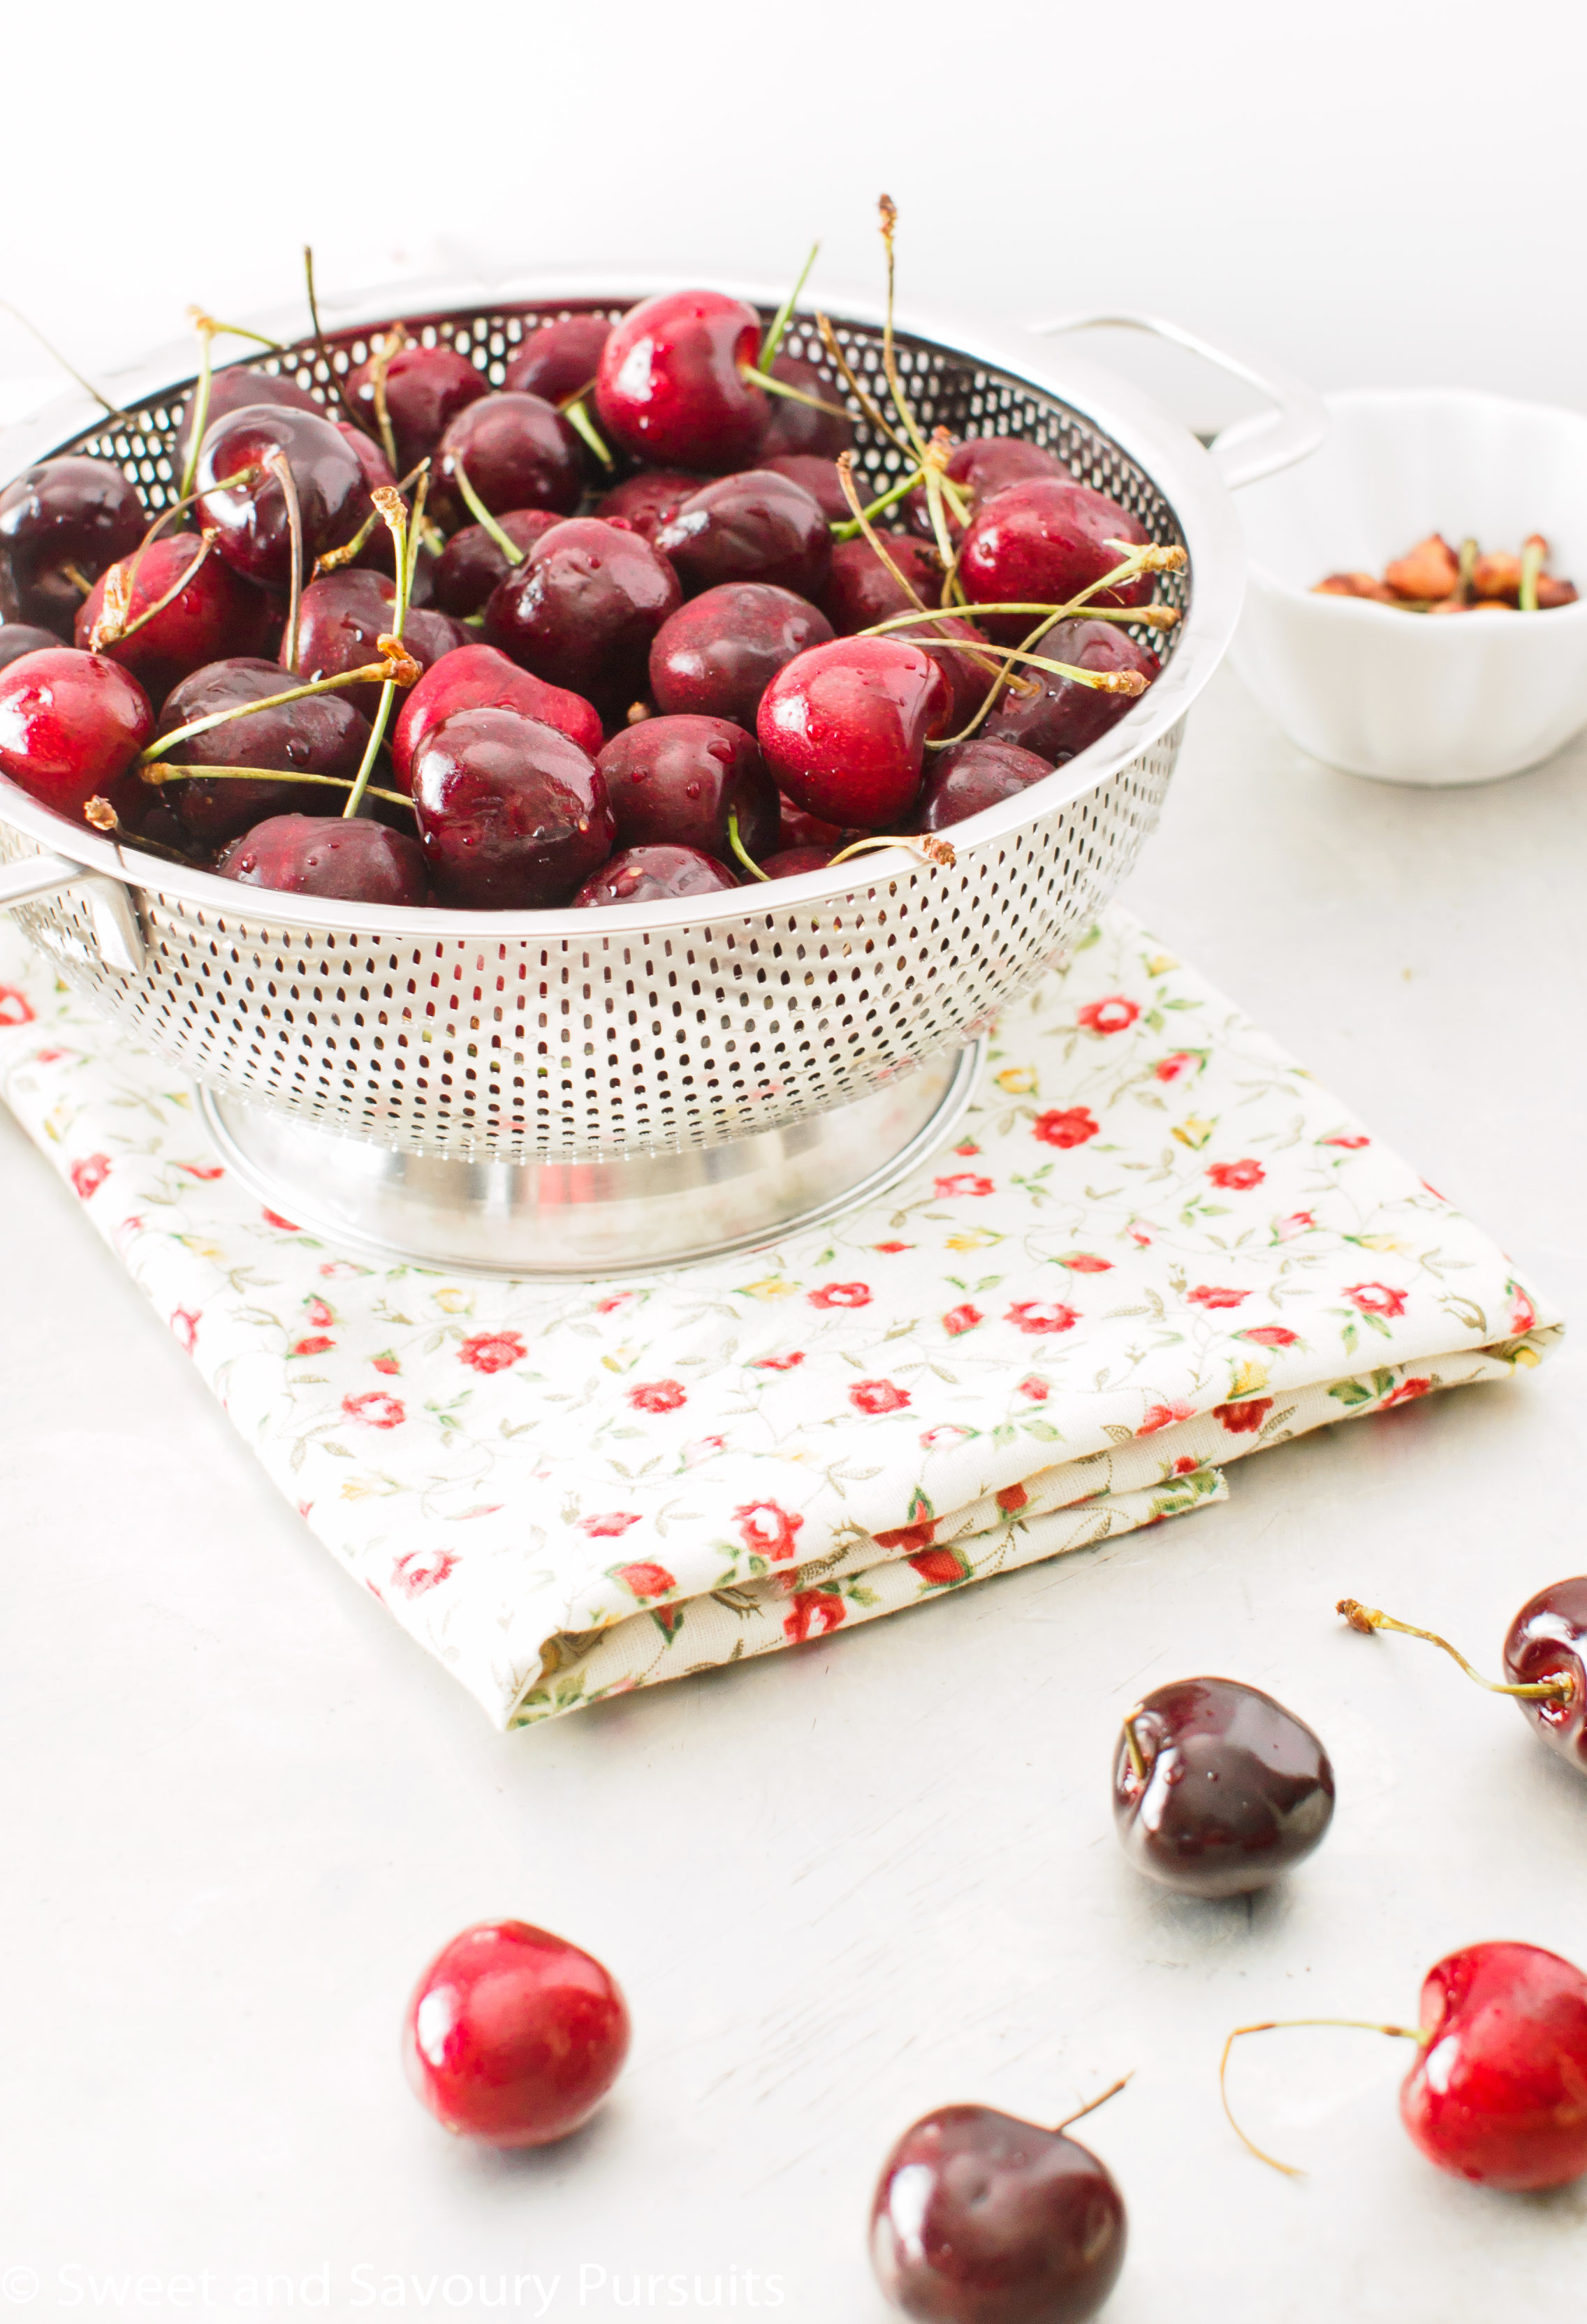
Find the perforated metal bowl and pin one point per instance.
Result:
(586, 1092)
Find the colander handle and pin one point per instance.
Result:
(116, 929)
(1251, 448)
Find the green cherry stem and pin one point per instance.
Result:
(740, 850)
(1533, 552)
(1371, 1617)
(337, 383)
(158, 773)
(856, 525)
(113, 410)
(393, 665)
(112, 628)
(281, 469)
(789, 394)
(860, 393)
(579, 420)
(405, 541)
(481, 515)
(779, 321)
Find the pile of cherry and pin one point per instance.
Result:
(620, 630)
(514, 2036)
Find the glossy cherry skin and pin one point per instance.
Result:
(318, 734)
(471, 563)
(342, 619)
(230, 391)
(322, 855)
(796, 828)
(1236, 1789)
(671, 388)
(799, 428)
(981, 467)
(677, 779)
(843, 729)
(250, 520)
(860, 591)
(1547, 1639)
(649, 500)
(819, 478)
(952, 645)
(70, 724)
(717, 655)
(1040, 542)
(478, 678)
(513, 816)
(982, 2219)
(425, 389)
(582, 609)
(1064, 718)
(973, 775)
(757, 525)
(520, 453)
(790, 862)
(1497, 2094)
(215, 614)
(654, 875)
(19, 638)
(69, 512)
(513, 2035)
(559, 359)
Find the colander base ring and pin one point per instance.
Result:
(580, 1220)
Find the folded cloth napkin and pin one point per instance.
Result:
(1158, 1246)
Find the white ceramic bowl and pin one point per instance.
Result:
(1409, 697)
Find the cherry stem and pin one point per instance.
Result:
(1132, 1746)
(104, 817)
(112, 626)
(162, 772)
(1368, 1618)
(199, 417)
(381, 359)
(401, 668)
(850, 529)
(334, 559)
(740, 850)
(1468, 566)
(281, 469)
(1533, 551)
(223, 485)
(78, 578)
(924, 844)
(1092, 2105)
(113, 410)
(481, 515)
(791, 395)
(1273, 2025)
(579, 420)
(862, 395)
(332, 373)
(862, 522)
(779, 321)
(405, 542)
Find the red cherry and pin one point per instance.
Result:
(478, 678)
(1545, 1641)
(1061, 718)
(559, 358)
(81, 514)
(974, 775)
(250, 520)
(983, 466)
(513, 816)
(649, 500)
(797, 829)
(318, 734)
(671, 389)
(1039, 543)
(757, 525)
(816, 476)
(18, 638)
(679, 780)
(425, 389)
(654, 875)
(798, 428)
(717, 655)
(323, 855)
(860, 591)
(229, 391)
(471, 563)
(845, 727)
(520, 453)
(790, 861)
(582, 609)
(513, 2035)
(1499, 2091)
(70, 724)
(342, 620)
(215, 614)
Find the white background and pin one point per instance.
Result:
(239, 1810)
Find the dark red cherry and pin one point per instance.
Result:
(318, 734)
(973, 775)
(512, 816)
(214, 614)
(860, 591)
(1040, 542)
(794, 829)
(1218, 1789)
(1061, 718)
(18, 638)
(671, 387)
(232, 390)
(789, 863)
(71, 725)
(799, 428)
(649, 500)
(754, 527)
(1544, 1641)
(425, 389)
(559, 359)
(582, 609)
(983, 466)
(717, 655)
(342, 620)
(61, 523)
(959, 650)
(250, 520)
(817, 477)
(679, 780)
(845, 727)
(519, 453)
(1497, 2092)
(982, 2219)
(654, 875)
(478, 678)
(322, 855)
(514, 2036)
(471, 563)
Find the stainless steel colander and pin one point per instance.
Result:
(583, 1093)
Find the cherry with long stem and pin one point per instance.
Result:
(382, 356)
(281, 469)
(739, 849)
(874, 540)
(481, 515)
(1274, 2024)
(334, 377)
(209, 331)
(113, 626)
(158, 773)
(779, 321)
(1368, 1618)
(333, 560)
(400, 667)
(405, 543)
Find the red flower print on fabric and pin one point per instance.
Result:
(612, 1302)
(1064, 1126)
(422, 1569)
(491, 1351)
(315, 1345)
(940, 1569)
(15, 1009)
(962, 1182)
(1269, 1335)
(878, 1396)
(1244, 1418)
(1298, 1222)
(375, 1408)
(1087, 1262)
(1407, 1392)
(962, 1319)
(608, 1526)
(657, 1395)
(1352, 1142)
(811, 1613)
(1235, 1178)
(1376, 1299)
(1116, 1014)
(184, 1323)
(1174, 1068)
(645, 1580)
(90, 1174)
(1041, 1316)
(317, 1313)
(907, 1537)
(1013, 1497)
(1522, 1314)
(386, 1363)
(795, 1357)
(1164, 1415)
(767, 1529)
(274, 1219)
(1214, 1295)
(891, 1249)
(1035, 1388)
(204, 1171)
(840, 1295)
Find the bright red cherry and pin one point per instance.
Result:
(860, 590)
(1499, 2091)
(649, 500)
(513, 2035)
(70, 724)
(582, 609)
(512, 816)
(478, 678)
(472, 562)
(845, 727)
(717, 655)
(655, 874)
(1039, 543)
(425, 389)
(317, 735)
(798, 428)
(1546, 1640)
(983, 466)
(250, 520)
(61, 523)
(520, 453)
(229, 391)
(816, 476)
(671, 386)
(680, 779)
(559, 359)
(1059, 718)
(212, 614)
(974, 775)
(982, 2219)
(323, 855)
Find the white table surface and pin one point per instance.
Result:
(851, 1882)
